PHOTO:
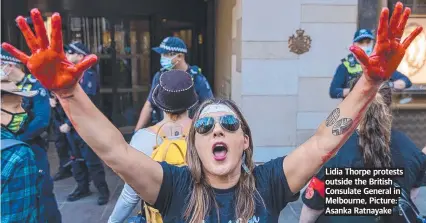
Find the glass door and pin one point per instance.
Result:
(132, 68)
(123, 49)
(95, 33)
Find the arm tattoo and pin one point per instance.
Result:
(332, 118)
(342, 126)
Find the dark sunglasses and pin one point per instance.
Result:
(206, 124)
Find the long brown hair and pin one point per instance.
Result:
(202, 197)
(375, 129)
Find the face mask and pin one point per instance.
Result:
(166, 62)
(367, 49)
(17, 122)
(4, 73)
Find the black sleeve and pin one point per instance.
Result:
(313, 196)
(272, 185)
(176, 181)
(414, 159)
(421, 175)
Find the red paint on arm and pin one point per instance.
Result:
(318, 185)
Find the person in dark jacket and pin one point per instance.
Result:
(349, 69)
(92, 167)
(63, 141)
(35, 132)
(375, 144)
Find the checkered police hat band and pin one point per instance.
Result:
(173, 49)
(9, 60)
(77, 49)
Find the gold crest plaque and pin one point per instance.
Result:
(299, 43)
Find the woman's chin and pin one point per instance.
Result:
(220, 170)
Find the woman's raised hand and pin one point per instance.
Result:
(389, 50)
(47, 61)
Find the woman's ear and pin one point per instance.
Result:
(246, 141)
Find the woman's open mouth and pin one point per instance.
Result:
(220, 150)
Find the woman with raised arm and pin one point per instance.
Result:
(221, 182)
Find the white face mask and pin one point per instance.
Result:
(167, 63)
(4, 72)
(368, 49)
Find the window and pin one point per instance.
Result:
(418, 7)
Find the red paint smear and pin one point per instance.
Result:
(318, 185)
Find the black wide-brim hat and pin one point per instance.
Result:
(175, 92)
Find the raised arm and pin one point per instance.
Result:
(342, 121)
(49, 65)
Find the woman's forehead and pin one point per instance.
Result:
(216, 114)
(213, 110)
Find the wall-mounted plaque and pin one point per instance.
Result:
(299, 43)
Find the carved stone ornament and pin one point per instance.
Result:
(299, 43)
(415, 57)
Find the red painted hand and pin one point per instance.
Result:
(48, 62)
(388, 52)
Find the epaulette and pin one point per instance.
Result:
(195, 70)
(31, 79)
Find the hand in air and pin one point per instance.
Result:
(48, 62)
(389, 50)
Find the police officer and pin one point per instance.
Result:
(349, 68)
(35, 132)
(75, 53)
(173, 51)
(61, 140)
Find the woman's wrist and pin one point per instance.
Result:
(370, 83)
(66, 93)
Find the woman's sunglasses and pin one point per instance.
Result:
(206, 124)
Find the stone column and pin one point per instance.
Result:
(368, 12)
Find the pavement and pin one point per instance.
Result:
(87, 210)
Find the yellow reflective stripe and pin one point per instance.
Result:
(26, 88)
(353, 70)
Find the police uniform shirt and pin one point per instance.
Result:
(37, 107)
(404, 155)
(89, 82)
(349, 70)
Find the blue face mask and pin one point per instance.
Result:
(166, 62)
(368, 49)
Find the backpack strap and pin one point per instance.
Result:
(158, 131)
(8, 143)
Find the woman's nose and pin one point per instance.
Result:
(218, 131)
